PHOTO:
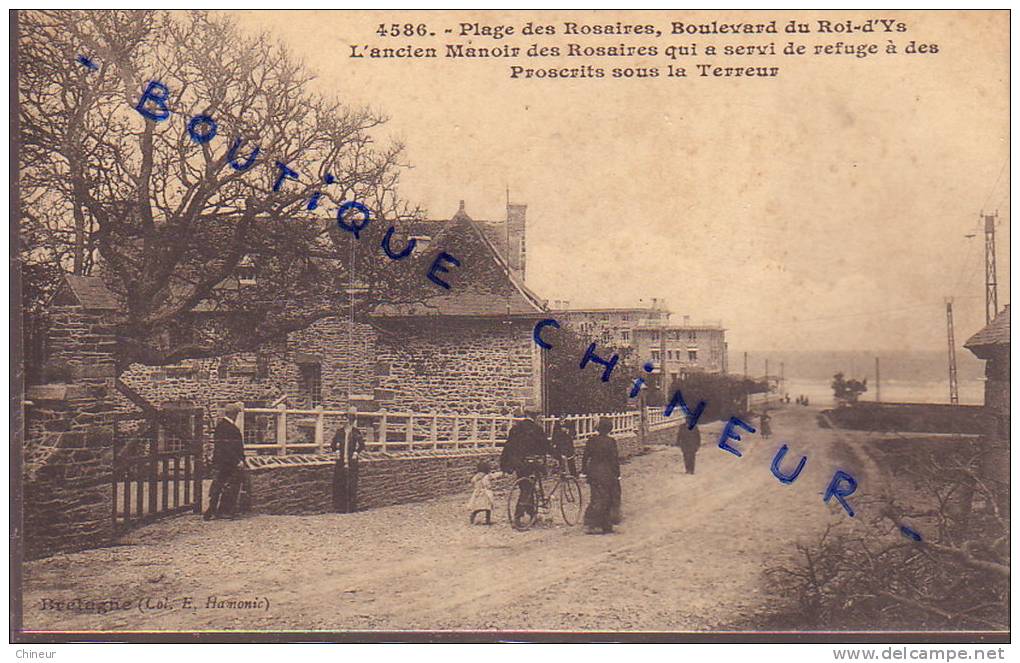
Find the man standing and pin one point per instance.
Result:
(228, 458)
(525, 441)
(689, 440)
(348, 443)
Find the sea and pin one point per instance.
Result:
(906, 377)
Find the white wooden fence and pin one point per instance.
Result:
(282, 431)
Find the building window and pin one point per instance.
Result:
(669, 355)
(692, 336)
(655, 336)
(625, 335)
(223, 370)
(261, 366)
(310, 383)
(656, 357)
(246, 271)
(692, 355)
(421, 242)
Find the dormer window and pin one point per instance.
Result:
(421, 242)
(246, 271)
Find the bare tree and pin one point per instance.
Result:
(948, 569)
(167, 194)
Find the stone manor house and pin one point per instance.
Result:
(106, 450)
(467, 349)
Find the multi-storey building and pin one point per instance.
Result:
(672, 348)
(676, 349)
(610, 326)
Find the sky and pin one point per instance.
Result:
(823, 209)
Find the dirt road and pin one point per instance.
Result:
(689, 556)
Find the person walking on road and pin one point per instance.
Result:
(764, 425)
(349, 443)
(689, 441)
(601, 465)
(228, 459)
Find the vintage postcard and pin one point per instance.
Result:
(478, 325)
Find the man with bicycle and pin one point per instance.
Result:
(524, 454)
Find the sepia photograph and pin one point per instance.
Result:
(676, 326)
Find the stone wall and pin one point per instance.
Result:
(302, 487)
(68, 451)
(481, 367)
(292, 489)
(84, 339)
(265, 376)
(396, 481)
(420, 365)
(67, 501)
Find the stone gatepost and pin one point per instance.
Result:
(68, 469)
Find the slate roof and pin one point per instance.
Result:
(91, 292)
(995, 334)
(485, 287)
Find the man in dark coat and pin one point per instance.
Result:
(228, 458)
(525, 441)
(689, 441)
(563, 445)
(349, 443)
(601, 464)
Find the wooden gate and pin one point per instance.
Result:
(157, 465)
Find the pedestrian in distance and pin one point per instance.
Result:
(689, 441)
(764, 425)
(482, 498)
(227, 461)
(601, 465)
(348, 443)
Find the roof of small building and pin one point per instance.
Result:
(681, 328)
(90, 292)
(483, 285)
(995, 333)
(631, 309)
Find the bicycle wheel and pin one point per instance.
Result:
(520, 507)
(571, 500)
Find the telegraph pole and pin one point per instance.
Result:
(991, 285)
(954, 395)
(747, 392)
(662, 348)
(350, 322)
(878, 383)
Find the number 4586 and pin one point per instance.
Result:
(402, 30)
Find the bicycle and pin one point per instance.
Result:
(529, 491)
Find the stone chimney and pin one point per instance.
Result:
(517, 249)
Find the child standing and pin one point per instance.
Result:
(482, 498)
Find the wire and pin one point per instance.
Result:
(1005, 162)
(912, 307)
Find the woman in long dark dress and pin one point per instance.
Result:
(601, 463)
